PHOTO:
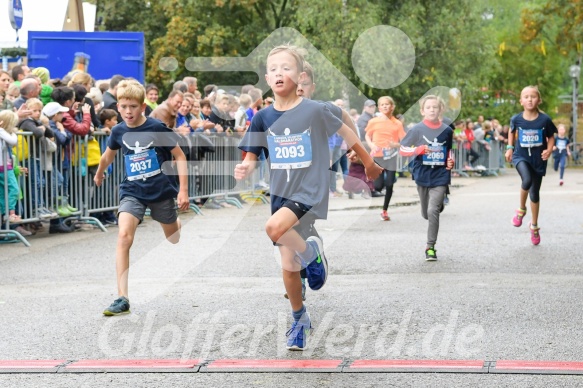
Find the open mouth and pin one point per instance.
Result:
(279, 82)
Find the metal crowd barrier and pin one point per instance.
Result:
(212, 162)
(487, 163)
(57, 184)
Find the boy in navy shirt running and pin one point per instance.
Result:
(429, 143)
(148, 147)
(294, 134)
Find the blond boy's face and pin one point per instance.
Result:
(36, 111)
(431, 110)
(130, 110)
(223, 105)
(283, 75)
(12, 96)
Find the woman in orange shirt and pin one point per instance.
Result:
(383, 134)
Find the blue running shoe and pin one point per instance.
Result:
(297, 335)
(317, 270)
(119, 306)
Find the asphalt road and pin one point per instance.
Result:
(218, 294)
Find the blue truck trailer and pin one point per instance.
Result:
(101, 54)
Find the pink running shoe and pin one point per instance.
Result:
(517, 219)
(385, 216)
(534, 234)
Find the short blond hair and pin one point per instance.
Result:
(33, 103)
(388, 98)
(80, 78)
(296, 52)
(9, 119)
(432, 97)
(245, 100)
(309, 70)
(487, 125)
(132, 90)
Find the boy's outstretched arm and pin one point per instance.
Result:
(245, 168)
(182, 168)
(106, 159)
(371, 169)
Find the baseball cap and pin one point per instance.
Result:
(369, 103)
(52, 108)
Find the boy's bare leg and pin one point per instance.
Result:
(172, 231)
(291, 277)
(127, 224)
(279, 228)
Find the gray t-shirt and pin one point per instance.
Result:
(296, 144)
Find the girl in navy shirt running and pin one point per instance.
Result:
(530, 143)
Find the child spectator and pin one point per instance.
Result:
(108, 118)
(561, 151)
(184, 117)
(8, 121)
(54, 111)
(151, 101)
(530, 143)
(146, 184)
(429, 143)
(44, 75)
(241, 114)
(40, 132)
(220, 114)
(294, 131)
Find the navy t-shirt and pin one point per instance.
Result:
(531, 140)
(145, 149)
(561, 143)
(296, 143)
(430, 170)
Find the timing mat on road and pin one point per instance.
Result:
(291, 366)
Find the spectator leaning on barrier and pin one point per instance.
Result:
(152, 95)
(109, 97)
(220, 114)
(167, 111)
(40, 132)
(29, 88)
(5, 82)
(44, 75)
(19, 72)
(8, 121)
(241, 119)
(85, 81)
(97, 98)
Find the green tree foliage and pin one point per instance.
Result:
(477, 47)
